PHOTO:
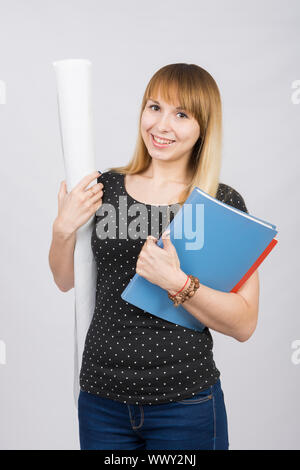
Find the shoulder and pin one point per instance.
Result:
(231, 196)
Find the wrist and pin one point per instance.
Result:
(61, 230)
(180, 279)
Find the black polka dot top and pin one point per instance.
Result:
(130, 355)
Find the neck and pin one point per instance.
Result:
(162, 172)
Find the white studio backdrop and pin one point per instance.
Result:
(252, 51)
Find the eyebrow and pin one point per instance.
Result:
(178, 107)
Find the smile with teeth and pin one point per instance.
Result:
(161, 141)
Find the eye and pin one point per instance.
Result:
(152, 105)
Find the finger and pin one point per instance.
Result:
(96, 197)
(86, 180)
(62, 189)
(167, 243)
(95, 189)
(97, 205)
(150, 241)
(151, 238)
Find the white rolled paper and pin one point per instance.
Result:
(74, 94)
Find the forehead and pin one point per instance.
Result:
(159, 100)
(165, 93)
(171, 95)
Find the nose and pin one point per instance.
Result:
(163, 123)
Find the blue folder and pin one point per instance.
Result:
(215, 242)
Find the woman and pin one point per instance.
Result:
(147, 383)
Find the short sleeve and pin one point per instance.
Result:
(104, 177)
(100, 177)
(231, 197)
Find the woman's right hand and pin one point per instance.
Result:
(76, 207)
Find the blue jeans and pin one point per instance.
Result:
(195, 423)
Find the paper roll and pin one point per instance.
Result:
(74, 95)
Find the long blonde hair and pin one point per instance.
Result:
(198, 93)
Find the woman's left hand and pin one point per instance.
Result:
(161, 266)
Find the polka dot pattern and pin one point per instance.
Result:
(130, 355)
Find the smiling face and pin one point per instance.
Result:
(172, 123)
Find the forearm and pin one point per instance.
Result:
(61, 257)
(227, 313)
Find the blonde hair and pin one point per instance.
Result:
(198, 93)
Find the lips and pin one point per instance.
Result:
(163, 138)
(158, 145)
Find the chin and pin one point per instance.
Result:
(157, 156)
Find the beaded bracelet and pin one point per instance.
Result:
(182, 296)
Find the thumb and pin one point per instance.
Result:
(151, 239)
(166, 240)
(62, 189)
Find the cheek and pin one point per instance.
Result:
(147, 122)
(185, 138)
(190, 136)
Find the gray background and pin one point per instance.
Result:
(252, 51)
